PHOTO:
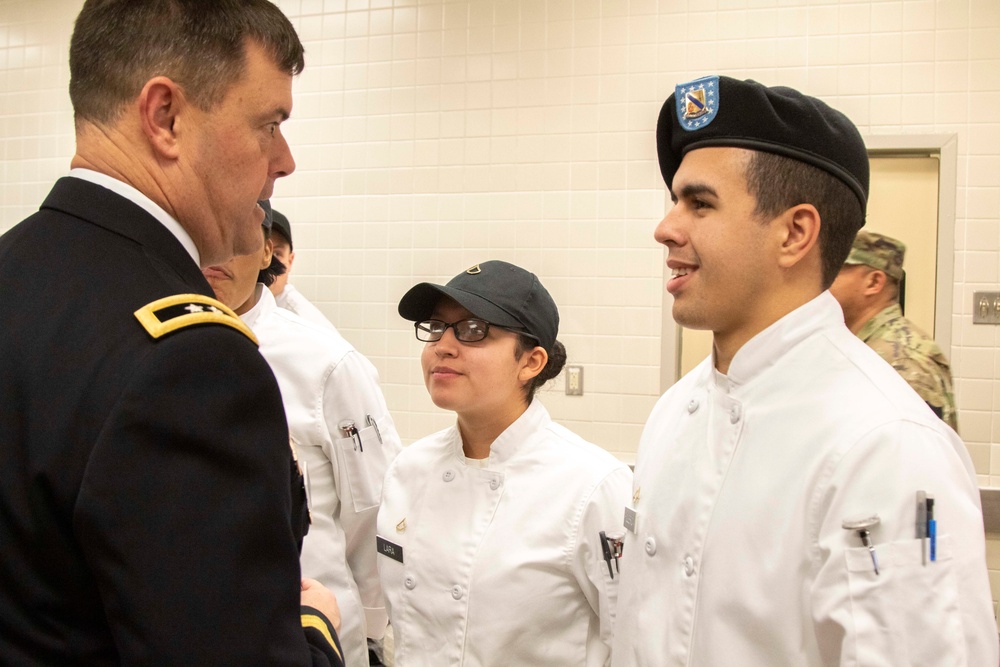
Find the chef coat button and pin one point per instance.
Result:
(494, 484)
(734, 414)
(688, 565)
(457, 592)
(650, 546)
(448, 475)
(410, 582)
(693, 406)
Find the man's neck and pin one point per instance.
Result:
(108, 150)
(869, 312)
(249, 303)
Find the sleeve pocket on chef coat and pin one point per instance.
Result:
(909, 611)
(364, 466)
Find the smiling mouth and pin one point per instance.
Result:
(679, 276)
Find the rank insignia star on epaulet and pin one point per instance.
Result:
(173, 313)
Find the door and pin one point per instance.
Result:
(903, 203)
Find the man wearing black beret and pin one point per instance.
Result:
(795, 501)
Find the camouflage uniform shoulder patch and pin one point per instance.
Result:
(916, 357)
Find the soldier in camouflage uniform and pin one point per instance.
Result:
(868, 291)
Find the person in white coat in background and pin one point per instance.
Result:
(285, 294)
(341, 431)
(491, 547)
(787, 489)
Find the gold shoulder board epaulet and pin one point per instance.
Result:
(172, 313)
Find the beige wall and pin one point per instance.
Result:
(431, 135)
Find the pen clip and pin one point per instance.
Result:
(351, 431)
(307, 487)
(931, 528)
(922, 525)
(611, 547)
(371, 422)
(606, 550)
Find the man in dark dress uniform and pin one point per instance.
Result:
(149, 513)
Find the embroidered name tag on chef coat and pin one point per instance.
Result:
(387, 548)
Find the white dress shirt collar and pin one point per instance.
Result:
(127, 191)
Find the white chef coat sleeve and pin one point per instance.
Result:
(602, 510)
(352, 392)
(909, 613)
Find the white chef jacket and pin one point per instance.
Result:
(324, 380)
(501, 559)
(295, 301)
(742, 482)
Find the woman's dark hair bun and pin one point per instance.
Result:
(557, 359)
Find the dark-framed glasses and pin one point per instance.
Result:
(471, 330)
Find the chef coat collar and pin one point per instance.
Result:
(534, 419)
(265, 304)
(771, 344)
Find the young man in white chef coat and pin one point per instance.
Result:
(285, 294)
(341, 431)
(751, 466)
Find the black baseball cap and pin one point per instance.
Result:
(498, 292)
(722, 111)
(268, 213)
(281, 225)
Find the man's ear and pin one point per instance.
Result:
(265, 261)
(798, 234)
(160, 104)
(874, 282)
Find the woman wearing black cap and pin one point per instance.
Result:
(490, 532)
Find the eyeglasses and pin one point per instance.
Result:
(467, 331)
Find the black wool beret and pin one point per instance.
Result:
(722, 111)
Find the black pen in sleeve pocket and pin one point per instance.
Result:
(611, 547)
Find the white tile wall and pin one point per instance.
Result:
(433, 134)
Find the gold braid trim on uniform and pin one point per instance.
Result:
(215, 312)
(317, 623)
